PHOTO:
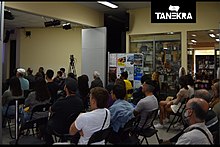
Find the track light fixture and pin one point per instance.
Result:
(67, 26)
(52, 23)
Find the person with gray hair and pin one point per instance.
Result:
(97, 82)
(194, 115)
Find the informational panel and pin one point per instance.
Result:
(130, 62)
(94, 52)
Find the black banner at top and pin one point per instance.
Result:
(173, 11)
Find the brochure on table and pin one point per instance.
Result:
(130, 62)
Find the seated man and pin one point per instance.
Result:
(121, 112)
(97, 119)
(62, 109)
(147, 104)
(194, 115)
(211, 120)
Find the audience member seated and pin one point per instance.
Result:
(40, 95)
(24, 82)
(83, 86)
(59, 80)
(97, 82)
(52, 86)
(98, 118)
(190, 84)
(138, 94)
(215, 94)
(147, 104)
(128, 85)
(194, 115)
(155, 77)
(62, 109)
(211, 120)
(13, 92)
(30, 77)
(121, 112)
(166, 107)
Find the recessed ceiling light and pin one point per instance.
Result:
(211, 30)
(217, 39)
(194, 35)
(193, 40)
(217, 34)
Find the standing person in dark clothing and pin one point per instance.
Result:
(62, 109)
(52, 86)
(30, 77)
(97, 82)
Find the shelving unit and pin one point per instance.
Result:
(162, 53)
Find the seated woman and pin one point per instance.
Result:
(40, 95)
(167, 107)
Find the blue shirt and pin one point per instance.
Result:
(121, 112)
(24, 83)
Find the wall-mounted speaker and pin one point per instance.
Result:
(127, 18)
(7, 36)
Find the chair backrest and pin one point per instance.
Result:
(13, 102)
(40, 108)
(30, 125)
(150, 118)
(99, 135)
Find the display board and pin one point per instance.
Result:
(130, 62)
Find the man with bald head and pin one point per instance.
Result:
(194, 115)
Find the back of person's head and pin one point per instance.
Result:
(59, 73)
(42, 93)
(124, 75)
(216, 89)
(15, 86)
(151, 85)
(41, 69)
(120, 81)
(71, 85)
(29, 71)
(190, 80)
(119, 91)
(83, 84)
(200, 107)
(62, 69)
(72, 75)
(144, 78)
(101, 96)
(21, 72)
(112, 77)
(96, 74)
(183, 82)
(50, 73)
(203, 94)
(155, 76)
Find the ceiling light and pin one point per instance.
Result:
(217, 34)
(193, 40)
(111, 5)
(211, 30)
(194, 35)
(217, 39)
(170, 33)
(212, 35)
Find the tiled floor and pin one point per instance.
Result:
(152, 140)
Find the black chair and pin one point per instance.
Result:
(58, 137)
(24, 135)
(178, 114)
(26, 92)
(9, 118)
(149, 131)
(99, 136)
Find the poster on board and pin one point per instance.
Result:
(121, 59)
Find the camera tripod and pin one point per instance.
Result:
(72, 68)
